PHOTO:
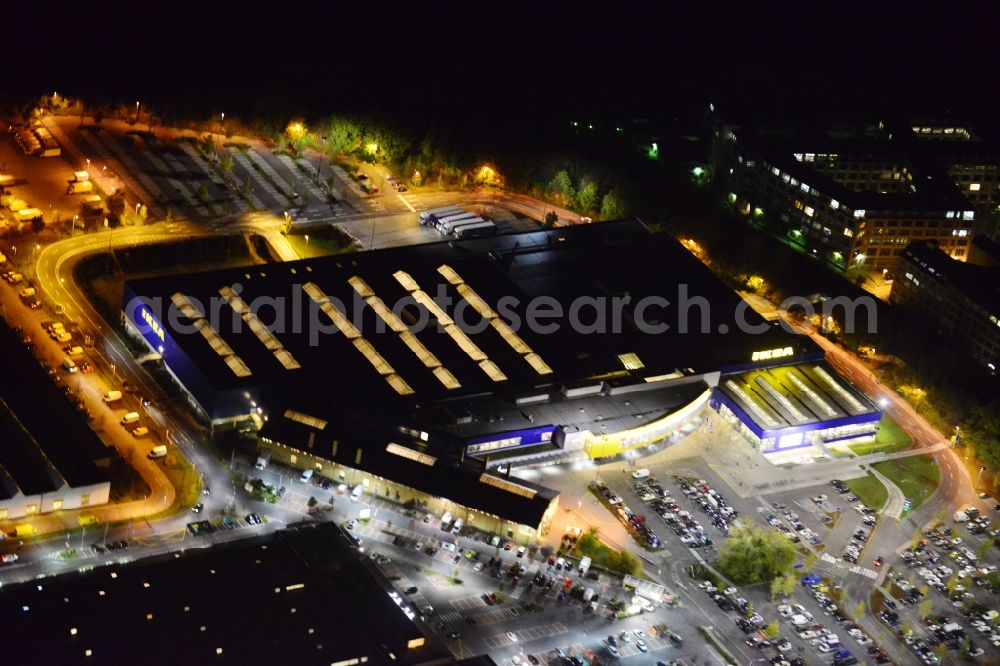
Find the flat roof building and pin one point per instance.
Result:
(416, 372)
(302, 595)
(962, 299)
(787, 408)
(47, 450)
(856, 195)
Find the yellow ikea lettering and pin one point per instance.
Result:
(147, 317)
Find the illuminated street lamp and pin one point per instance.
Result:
(296, 130)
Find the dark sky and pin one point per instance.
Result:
(512, 60)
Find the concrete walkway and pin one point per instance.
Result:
(894, 505)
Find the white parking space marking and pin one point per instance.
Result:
(524, 635)
(465, 603)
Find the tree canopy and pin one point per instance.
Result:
(754, 554)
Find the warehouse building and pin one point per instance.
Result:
(438, 367)
(302, 595)
(47, 451)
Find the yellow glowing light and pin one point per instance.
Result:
(295, 129)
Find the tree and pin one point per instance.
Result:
(612, 206)
(37, 224)
(142, 214)
(810, 561)
(625, 562)
(588, 197)
(343, 136)
(116, 207)
(925, 608)
(226, 164)
(312, 502)
(588, 542)
(752, 554)
(783, 586)
(952, 584)
(777, 587)
(551, 218)
(561, 188)
(772, 630)
(859, 610)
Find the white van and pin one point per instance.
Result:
(446, 520)
(81, 176)
(306, 475)
(111, 396)
(356, 492)
(158, 452)
(458, 526)
(640, 473)
(27, 214)
(69, 366)
(130, 418)
(800, 620)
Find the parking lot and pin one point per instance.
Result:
(942, 595)
(453, 578)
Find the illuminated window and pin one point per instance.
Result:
(973, 187)
(84, 501)
(834, 204)
(410, 454)
(31, 509)
(631, 361)
(305, 419)
(848, 232)
(57, 504)
(509, 486)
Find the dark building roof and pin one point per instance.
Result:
(407, 458)
(298, 596)
(984, 251)
(935, 191)
(600, 261)
(980, 284)
(44, 441)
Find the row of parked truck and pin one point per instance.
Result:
(457, 222)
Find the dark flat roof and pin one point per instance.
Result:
(980, 284)
(44, 439)
(935, 189)
(298, 596)
(363, 445)
(598, 413)
(587, 261)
